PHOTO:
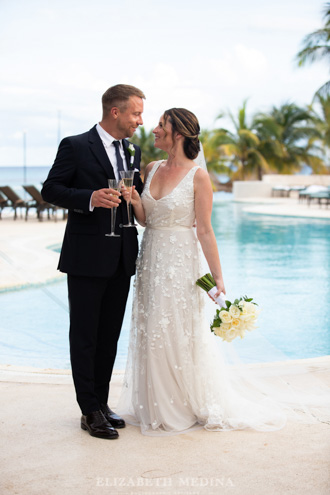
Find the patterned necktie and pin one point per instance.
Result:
(120, 165)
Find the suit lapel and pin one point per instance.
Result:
(99, 152)
(127, 154)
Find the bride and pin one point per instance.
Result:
(175, 377)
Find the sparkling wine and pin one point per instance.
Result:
(127, 178)
(128, 183)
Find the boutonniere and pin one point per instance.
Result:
(131, 151)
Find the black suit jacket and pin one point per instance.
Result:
(81, 167)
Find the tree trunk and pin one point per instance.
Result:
(259, 172)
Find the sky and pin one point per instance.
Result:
(58, 58)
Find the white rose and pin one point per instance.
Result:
(225, 316)
(131, 147)
(247, 317)
(231, 334)
(225, 326)
(218, 332)
(236, 323)
(222, 330)
(250, 308)
(256, 310)
(234, 311)
(242, 304)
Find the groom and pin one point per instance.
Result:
(98, 267)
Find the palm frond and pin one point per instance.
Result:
(323, 91)
(249, 136)
(316, 45)
(311, 54)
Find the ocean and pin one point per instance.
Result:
(16, 176)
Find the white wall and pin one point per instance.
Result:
(251, 189)
(296, 180)
(263, 189)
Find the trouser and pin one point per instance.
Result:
(97, 307)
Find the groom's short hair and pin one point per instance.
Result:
(118, 96)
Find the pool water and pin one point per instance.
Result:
(282, 262)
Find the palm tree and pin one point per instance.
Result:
(322, 122)
(241, 148)
(146, 141)
(288, 138)
(317, 47)
(216, 164)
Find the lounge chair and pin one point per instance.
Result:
(308, 191)
(285, 191)
(322, 197)
(3, 204)
(15, 201)
(42, 205)
(281, 191)
(296, 189)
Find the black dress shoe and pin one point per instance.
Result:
(113, 418)
(97, 426)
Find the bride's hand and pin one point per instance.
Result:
(135, 198)
(220, 287)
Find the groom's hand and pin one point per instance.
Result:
(105, 198)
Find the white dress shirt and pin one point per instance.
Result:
(110, 149)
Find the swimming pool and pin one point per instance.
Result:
(282, 262)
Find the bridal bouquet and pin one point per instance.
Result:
(232, 319)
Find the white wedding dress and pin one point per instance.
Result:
(175, 376)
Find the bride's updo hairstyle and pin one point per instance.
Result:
(186, 124)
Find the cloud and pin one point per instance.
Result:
(18, 91)
(204, 87)
(253, 61)
(290, 23)
(207, 58)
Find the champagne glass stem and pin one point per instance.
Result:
(131, 215)
(113, 219)
(128, 213)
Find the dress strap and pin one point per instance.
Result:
(194, 169)
(192, 172)
(153, 171)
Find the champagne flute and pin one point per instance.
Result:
(113, 184)
(127, 178)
